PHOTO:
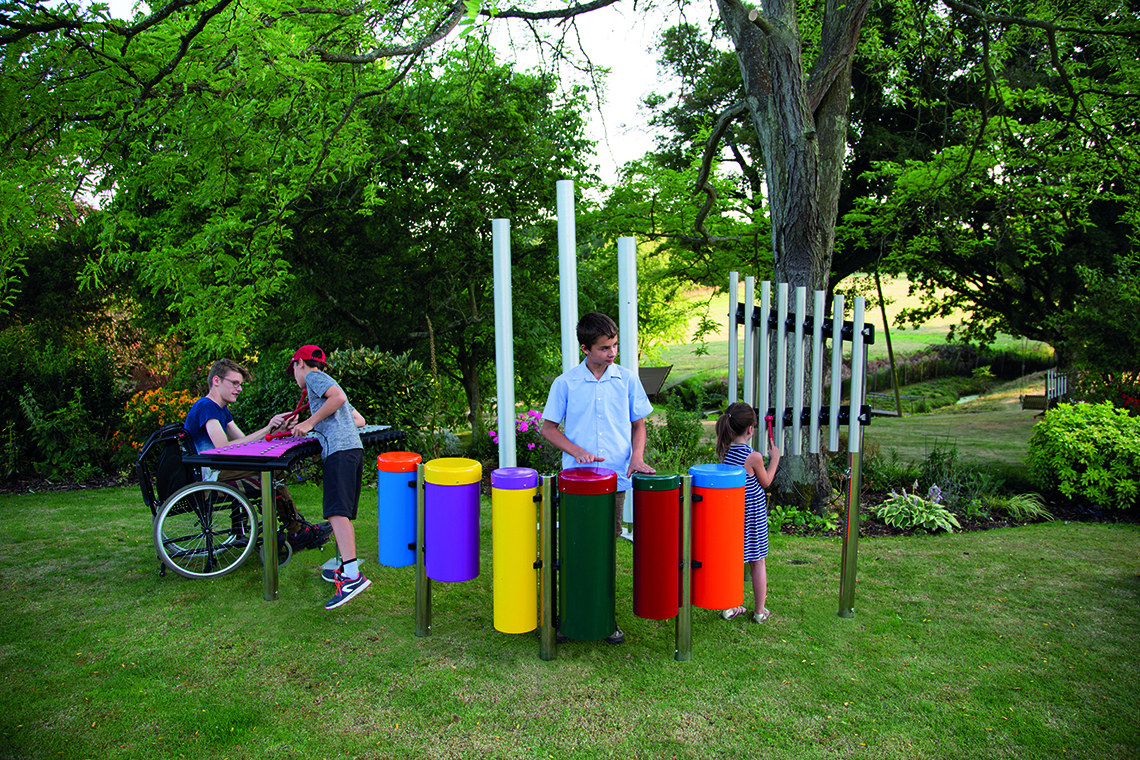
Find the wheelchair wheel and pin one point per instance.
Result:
(205, 530)
(284, 552)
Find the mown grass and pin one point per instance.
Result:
(1017, 643)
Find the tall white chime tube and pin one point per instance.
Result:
(568, 274)
(504, 340)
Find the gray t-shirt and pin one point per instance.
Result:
(338, 432)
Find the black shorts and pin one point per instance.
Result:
(343, 472)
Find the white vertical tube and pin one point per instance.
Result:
(816, 370)
(749, 339)
(627, 323)
(836, 373)
(627, 304)
(762, 367)
(798, 371)
(857, 370)
(781, 360)
(568, 274)
(733, 300)
(504, 340)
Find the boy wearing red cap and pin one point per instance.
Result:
(334, 422)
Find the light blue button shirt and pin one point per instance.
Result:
(598, 414)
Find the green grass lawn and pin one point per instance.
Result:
(1017, 643)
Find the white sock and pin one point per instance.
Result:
(351, 569)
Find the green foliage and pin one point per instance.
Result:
(882, 471)
(957, 484)
(1021, 507)
(1102, 340)
(388, 389)
(910, 511)
(66, 437)
(52, 375)
(801, 516)
(678, 443)
(1088, 451)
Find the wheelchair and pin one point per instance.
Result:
(201, 528)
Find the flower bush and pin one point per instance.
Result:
(531, 449)
(145, 412)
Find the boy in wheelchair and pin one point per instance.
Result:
(210, 425)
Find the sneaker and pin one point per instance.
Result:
(760, 617)
(735, 612)
(330, 573)
(346, 589)
(310, 536)
(617, 637)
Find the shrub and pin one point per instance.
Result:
(145, 412)
(66, 437)
(911, 511)
(388, 389)
(678, 442)
(882, 472)
(1089, 451)
(960, 485)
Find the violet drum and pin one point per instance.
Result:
(657, 548)
(396, 508)
(451, 519)
(718, 535)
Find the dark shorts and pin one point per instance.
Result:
(343, 472)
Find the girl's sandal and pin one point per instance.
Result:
(733, 613)
(760, 617)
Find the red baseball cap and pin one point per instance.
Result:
(306, 353)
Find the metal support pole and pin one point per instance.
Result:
(733, 300)
(423, 583)
(269, 534)
(684, 643)
(548, 639)
(855, 463)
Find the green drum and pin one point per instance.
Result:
(586, 547)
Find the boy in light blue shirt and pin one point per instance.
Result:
(604, 409)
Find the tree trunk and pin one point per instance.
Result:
(804, 144)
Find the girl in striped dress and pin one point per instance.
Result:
(734, 430)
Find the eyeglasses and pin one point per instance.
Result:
(234, 383)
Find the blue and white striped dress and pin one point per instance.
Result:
(755, 506)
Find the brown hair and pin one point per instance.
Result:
(595, 326)
(223, 367)
(732, 424)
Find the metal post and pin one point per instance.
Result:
(423, 583)
(684, 643)
(548, 639)
(733, 300)
(855, 463)
(269, 534)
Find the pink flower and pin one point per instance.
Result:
(530, 445)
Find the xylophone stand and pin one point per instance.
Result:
(548, 637)
(269, 534)
(423, 583)
(683, 645)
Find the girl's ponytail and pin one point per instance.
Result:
(733, 423)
